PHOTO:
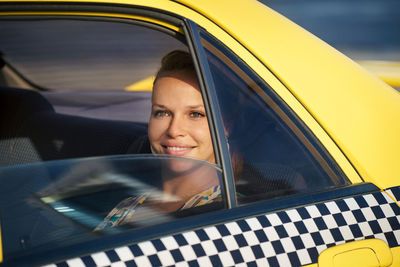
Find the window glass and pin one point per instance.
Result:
(272, 153)
(55, 204)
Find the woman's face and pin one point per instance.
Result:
(178, 123)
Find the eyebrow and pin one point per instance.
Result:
(161, 106)
(196, 106)
(191, 107)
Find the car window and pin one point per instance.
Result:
(272, 153)
(76, 111)
(55, 204)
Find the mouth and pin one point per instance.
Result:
(177, 150)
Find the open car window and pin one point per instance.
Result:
(75, 100)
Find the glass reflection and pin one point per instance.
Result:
(65, 201)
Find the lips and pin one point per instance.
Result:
(176, 149)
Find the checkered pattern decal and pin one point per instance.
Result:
(288, 238)
(394, 192)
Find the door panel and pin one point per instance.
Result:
(290, 237)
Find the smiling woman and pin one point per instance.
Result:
(178, 123)
(179, 127)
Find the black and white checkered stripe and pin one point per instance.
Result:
(288, 238)
(394, 192)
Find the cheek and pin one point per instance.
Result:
(202, 134)
(207, 150)
(156, 129)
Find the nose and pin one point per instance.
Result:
(176, 127)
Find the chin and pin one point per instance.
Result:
(182, 165)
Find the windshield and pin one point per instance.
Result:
(67, 201)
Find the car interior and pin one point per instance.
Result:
(31, 130)
(63, 88)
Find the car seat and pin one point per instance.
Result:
(31, 131)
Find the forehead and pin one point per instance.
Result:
(188, 76)
(175, 88)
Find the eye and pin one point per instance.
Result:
(197, 114)
(160, 113)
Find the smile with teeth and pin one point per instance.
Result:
(177, 150)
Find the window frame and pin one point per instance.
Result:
(214, 114)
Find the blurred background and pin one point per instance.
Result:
(368, 31)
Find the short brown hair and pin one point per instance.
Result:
(176, 60)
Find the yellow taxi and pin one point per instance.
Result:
(306, 142)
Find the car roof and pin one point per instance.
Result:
(360, 112)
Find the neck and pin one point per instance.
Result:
(185, 185)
